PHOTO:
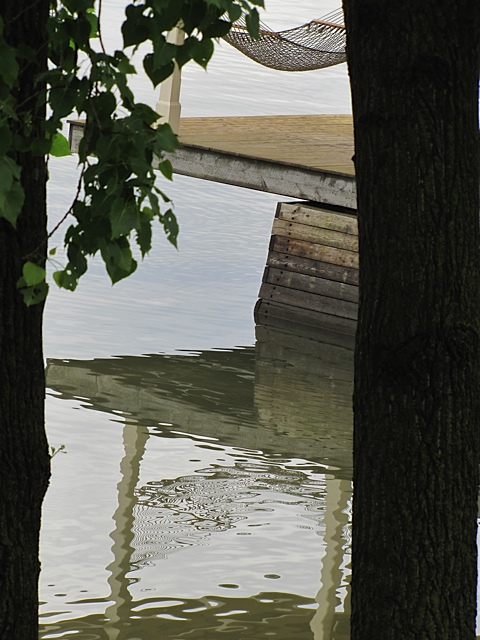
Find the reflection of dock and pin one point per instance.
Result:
(290, 397)
(294, 398)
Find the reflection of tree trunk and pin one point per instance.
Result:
(338, 493)
(414, 74)
(134, 441)
(24, 460)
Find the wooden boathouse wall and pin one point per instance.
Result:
(311, 277)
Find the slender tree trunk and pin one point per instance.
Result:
(24, 459)
(414, 73)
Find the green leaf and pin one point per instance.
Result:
(165, 139)
(144, 231)
(218, 29)
(157, 74)
(62, 100)
(65, 279)
(33, 274)
(252, 20)
(9, 65)
(135, 29)
(118, 259)
(234, 12)
(34, 294)
(203, 52)
(77, 263)
(60, 146)
(11, 191)
(123, 64)
(166, 169)
(5, 139)
(170, 225)
(93, 20)
(123, 218)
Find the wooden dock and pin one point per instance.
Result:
(312, 270)
(308, 157)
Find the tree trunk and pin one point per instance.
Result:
(414, 75)
(24, 459)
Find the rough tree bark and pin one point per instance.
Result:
(24, 458)
(414, 71)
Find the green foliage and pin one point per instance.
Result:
(32, 284)
(60, 146)
(11, 192)
(55, 450)
(117, 199)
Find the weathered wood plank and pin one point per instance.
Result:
(312, 267)
(317, 217)
(311, 284)
(315, 234)
(313, 251)
(287, 316)
(263, 175)
(306, 300)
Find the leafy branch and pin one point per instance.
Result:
(124, 146)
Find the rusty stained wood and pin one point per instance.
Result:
(312, 267)
(306, 300)
(289, 317)
(312, 284)
(313, 251)
(318, 217)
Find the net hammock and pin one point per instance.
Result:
(316, 45)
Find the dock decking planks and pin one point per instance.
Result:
(323, 142)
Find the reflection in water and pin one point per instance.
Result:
(282, 616)
(134, 441)
(173, 514)
(269, 494)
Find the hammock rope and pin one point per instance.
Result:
(315, 45)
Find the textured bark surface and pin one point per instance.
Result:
(414, 69)
(24, 459)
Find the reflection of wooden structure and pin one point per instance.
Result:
(303, 389)
(214, 392)
(289, 396)
(308, 379)
(312, 268)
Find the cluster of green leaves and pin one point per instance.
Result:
(11, 193)
(123, 146)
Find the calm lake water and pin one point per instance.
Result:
(204, 486)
